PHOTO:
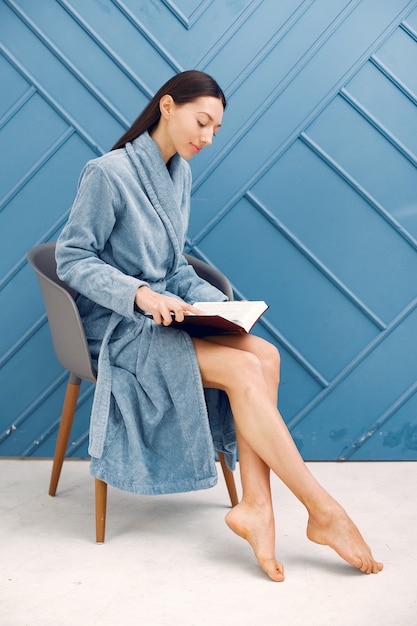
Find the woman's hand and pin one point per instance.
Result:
(161, 307)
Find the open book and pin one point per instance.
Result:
(223, 318)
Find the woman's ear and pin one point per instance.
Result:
(166, 105)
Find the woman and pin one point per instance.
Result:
(121, 250)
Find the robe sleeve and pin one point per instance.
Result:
(191, 288)
(83, 240)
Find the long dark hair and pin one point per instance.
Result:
(184, 87)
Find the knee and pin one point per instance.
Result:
(250, 368)
(271, 359)
(274, 356)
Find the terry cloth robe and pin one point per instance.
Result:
(153, 428)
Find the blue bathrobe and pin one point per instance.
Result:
(153, 428)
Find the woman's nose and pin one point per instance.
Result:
(207, 138)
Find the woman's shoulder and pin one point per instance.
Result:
(117, 164)
(109, 160)
(111, 164)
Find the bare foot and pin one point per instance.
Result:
(256, 525)
(335, 529)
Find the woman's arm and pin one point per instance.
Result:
(190, 287)
(82, 242)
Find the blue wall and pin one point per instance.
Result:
(307, 198)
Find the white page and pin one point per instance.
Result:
(242, 312)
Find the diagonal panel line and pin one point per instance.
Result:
(381, 128)
(397, 226)
(294, 352)
(409, 30)
(349, 451)
(297, 419)
(30, 173)
(393, 78)
(51, 100)
(17, 106)
(280, 88)
(22, 340)
(205, 59)
(53, 427)
(348, 293)
(148, 35)
(295, 133)
(195, 15)
(82, 79)
(40, 399)
(52, 231)
(271, 44)
(111, 54)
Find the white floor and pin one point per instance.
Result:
(171, 561)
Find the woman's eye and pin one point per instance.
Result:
(201, 124)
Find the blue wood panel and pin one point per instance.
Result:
(391, 439)
(341, 230)
(282, 113)
(386, 106)
(16, 88)
(306, 199)
(354, 409)
(365, 153)
(294, 286)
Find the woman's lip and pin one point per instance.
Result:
(196, 148)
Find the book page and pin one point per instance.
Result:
(241, 312)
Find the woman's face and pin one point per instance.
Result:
(188, 127)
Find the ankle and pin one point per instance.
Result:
(325, 512)
(257, 500)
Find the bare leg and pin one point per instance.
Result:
(241, 375)
(253, 517)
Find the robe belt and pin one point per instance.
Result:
(101, 403)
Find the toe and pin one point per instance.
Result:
(274, 569)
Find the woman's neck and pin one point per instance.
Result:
(164, 144)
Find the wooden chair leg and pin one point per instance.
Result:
(67, 418)
(101, 506)
(229, 478)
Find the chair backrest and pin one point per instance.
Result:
(68, 337)
(67, 331)
(211, 275)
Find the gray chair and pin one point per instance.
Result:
(72, 351)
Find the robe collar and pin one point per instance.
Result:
(163, 187)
